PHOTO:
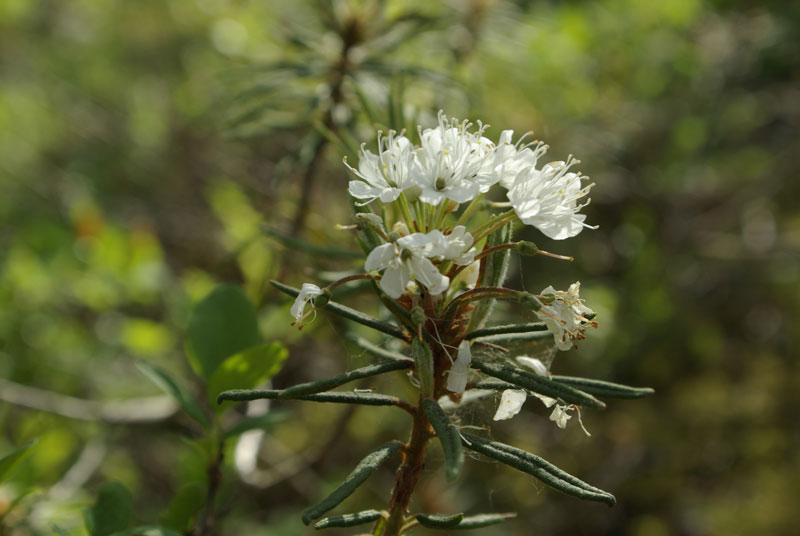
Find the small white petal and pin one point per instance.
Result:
(546, 400)
(307, 292)
(380, 257)
(510, 404)
(394, 280)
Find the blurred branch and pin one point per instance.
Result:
(134, 410)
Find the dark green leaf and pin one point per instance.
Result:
(603, 388)
(165, 382)
(538, 467)
(364, 399)
(483, 520)
(448, 437)
(365, 468)
(537, 384)
(495, 267)
(247, 369)
(348, 520)
(221, 325)
(423, 363)
(111, 512)
(11, 459)
(330, 383)
(439, 521)
(503, 330)
(351, 314)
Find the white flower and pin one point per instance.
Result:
(511, 159)
(534, 364)
(560, 416)
(307, 293)
(385, 175)
(510, 404)
(456, 246)
(406, 260)
(459, 370)
(566, 316)
(548, 199)
(453, 163)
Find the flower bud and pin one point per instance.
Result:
(323, 299)
(526, 248)
(368, 220)
(417, 316)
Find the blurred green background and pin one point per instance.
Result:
(145, 147)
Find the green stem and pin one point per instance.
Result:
(470, 209)
(405, 212)
(493, 225)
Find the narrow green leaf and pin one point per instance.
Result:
(484, 520)
(165, 382)
(58, 531)
(448, 437)
(603, 388)
(363, 470)
(439, 521)
(348, 520)
(423, 363)
(220, 325)
(247, 369)
(262, 422)
(11, 459)
(376, 350)
(351, 314)
(364, 399)
(111, 512)
(538, 384)
(504, 330)
(329, 383)
(506, 338)
(495, 267)
(538, 467)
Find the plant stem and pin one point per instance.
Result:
(409, 472)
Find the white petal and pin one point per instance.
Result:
(394, 280)
(380, 257)
(534, 364)
(510, 404)
(546, 400)
(560, 416)
(307, 292)
(426, 273)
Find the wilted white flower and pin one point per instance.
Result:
(566, 316)
(548, 199)
(459, 370)
(453, 163)
(384, 175)
(406, 260)
(510, 404)
(307, 293)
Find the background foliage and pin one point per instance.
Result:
(145, 147)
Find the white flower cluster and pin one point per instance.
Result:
(427, 250)
(455, 164)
